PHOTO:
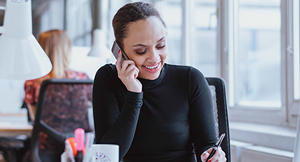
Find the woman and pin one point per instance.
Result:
(57, 45)
(154, 111)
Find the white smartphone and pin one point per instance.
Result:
(115, 50)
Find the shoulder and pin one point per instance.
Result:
(110, 67)
(184, 70)
(107, 70)
(192, 76)
(35, 82)
(106, 74)
(32, 88)
(29, 83)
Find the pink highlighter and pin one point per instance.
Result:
(79, 138)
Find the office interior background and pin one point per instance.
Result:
(252, 44)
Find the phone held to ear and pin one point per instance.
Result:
(115, 50)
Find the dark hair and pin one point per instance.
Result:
(132, 12)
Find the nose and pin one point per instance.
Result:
(154, 56)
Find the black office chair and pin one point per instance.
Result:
(62, 107)
(13, 148)
(217, 87)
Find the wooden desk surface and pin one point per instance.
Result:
(14, 127)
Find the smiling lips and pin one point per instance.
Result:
(153, 69)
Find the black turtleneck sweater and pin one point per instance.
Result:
(171, 120)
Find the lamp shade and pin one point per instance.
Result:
(21, 56)
(99, 48)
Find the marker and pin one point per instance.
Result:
(217, 144)
(79, 138)
(72, 142)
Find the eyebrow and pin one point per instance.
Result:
(145, 45)
(160, 39)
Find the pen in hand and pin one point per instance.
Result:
(217, 144)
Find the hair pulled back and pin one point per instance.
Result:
(132, 12)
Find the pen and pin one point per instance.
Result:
(217, 144)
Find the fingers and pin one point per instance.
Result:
(219, 156)
(128, 73)
(204, 156)
(123, 66)
(118, 62)
(132, 70)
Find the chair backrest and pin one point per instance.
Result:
(61, 108)
(217, 87)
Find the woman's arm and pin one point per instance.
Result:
(31, 109)
(115, 121)
(201, 113)
(31, 95)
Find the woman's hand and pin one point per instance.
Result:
(219, 155)
(128, 74)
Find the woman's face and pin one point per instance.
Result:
(146, 45)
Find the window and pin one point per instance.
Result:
(257, 71)
(72, 16)
(204, 56)
(293, 68)
(252, 45)
(192, 36)
(261, 40)
(191, 28)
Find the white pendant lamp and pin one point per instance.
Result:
(21, 56)
(99, 48)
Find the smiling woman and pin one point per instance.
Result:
(144, 41)
(146, 46)
(153, 110)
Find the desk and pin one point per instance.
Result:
(14, 124)
(14, 129)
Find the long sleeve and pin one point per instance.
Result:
(116, 110)
(201, 114)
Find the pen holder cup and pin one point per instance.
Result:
(98, 153)
(105, 152)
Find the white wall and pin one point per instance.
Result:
(11, 95)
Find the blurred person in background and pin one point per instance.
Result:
(58, 46)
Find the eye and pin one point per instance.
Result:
(141, 52)
(160, 46)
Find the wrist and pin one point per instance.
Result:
(135, 90)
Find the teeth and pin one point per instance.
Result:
(152, 67)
